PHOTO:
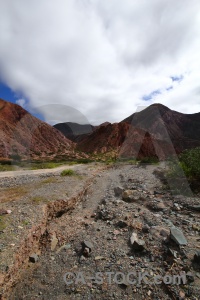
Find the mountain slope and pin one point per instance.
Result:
(124, 140)
(74, 131)
(22, 134)
(77, 132)
(155, 131)
(183, 130)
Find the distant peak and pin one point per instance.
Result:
(159, 105)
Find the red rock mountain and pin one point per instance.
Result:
(22, 134)
(182, 130)
(125, 141)
(155, 131)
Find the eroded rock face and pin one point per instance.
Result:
(23, 135)
(155, 132)
(125, 141)
(163, 123)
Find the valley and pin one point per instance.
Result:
(50, 216)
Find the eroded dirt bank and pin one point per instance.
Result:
(124, 217)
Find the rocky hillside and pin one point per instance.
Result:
(22, 134)
(155, 131)
(126, 141)
(183, 130)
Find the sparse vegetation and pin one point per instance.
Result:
(149, 160)
(2, 223)
(25, 222)
(189, 163)
(7, 167)
(12, 194)
(38, 199)
(46, 165)
(68, 172)
(49, 180)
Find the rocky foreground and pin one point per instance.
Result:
(117, 235)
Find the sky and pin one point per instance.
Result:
(99, 60)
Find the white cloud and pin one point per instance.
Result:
(21, 102)
(101, 57)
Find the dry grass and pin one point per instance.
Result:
(2, 223)
(49, 180)
(38, 199)
(12, 194)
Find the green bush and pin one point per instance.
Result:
(190, 162)
(67, 172)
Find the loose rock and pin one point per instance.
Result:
(177, 236)
(33, 258)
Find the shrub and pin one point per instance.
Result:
(67, 172)
(190, 162)
(188, 165)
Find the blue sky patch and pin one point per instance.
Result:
(151, 95)
(177, 78)
(169, 88)
(9, 95)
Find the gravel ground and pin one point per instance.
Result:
(122, 202)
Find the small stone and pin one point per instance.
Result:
(116, 232)
(122, 224)
(164, 233)
(54, 242)
(197, 257)
(198, 274)
(146, 228)
(195, 207)
(87, 244)
(33, 258)
(3, 212)
(99, 258)
(177, 236)
(118, 191)
(126, 194)
(149, 293)
(182, 295)
(172, 253)
(86, 251)
(137, 244)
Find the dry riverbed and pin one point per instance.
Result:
(117, 219)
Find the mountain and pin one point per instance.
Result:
(182, 130)
(155, 131)
(121, 139)
(77, 132)
(74, 131)
(23, 135)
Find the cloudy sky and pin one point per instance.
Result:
(101, 58)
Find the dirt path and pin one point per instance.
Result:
(107, 218)
(36, 172)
